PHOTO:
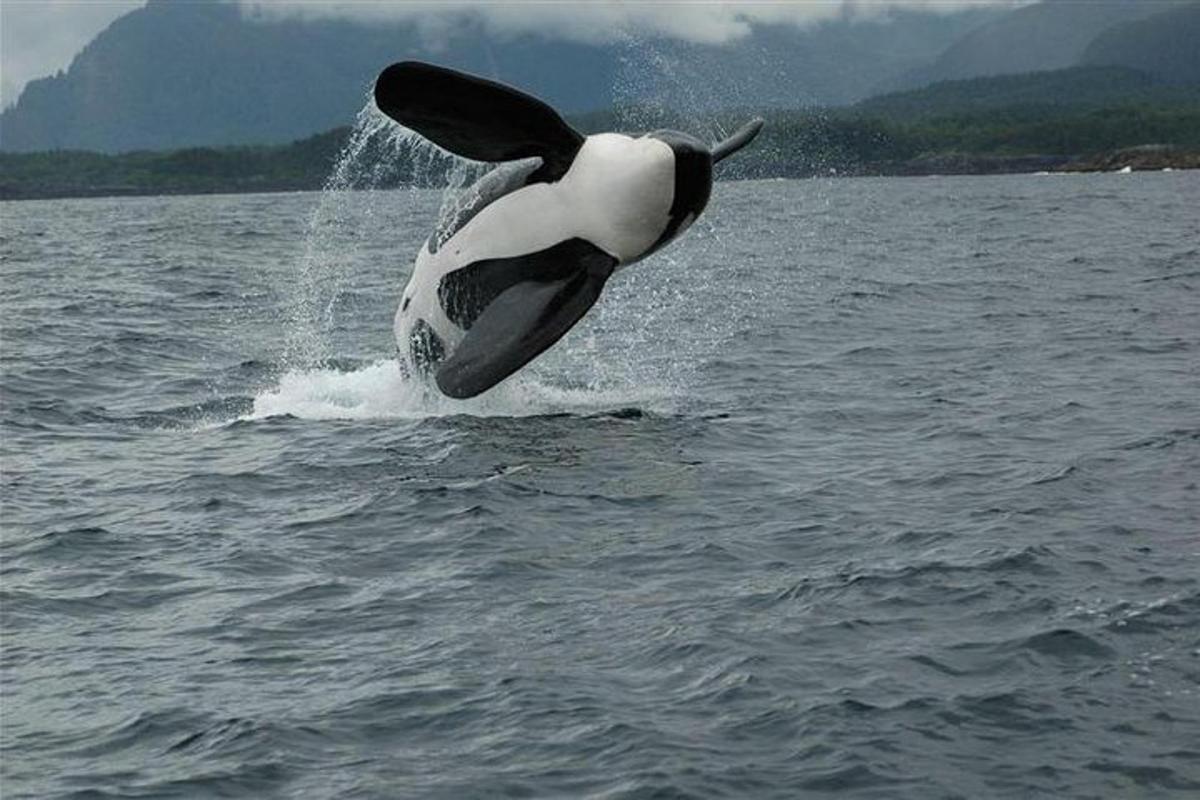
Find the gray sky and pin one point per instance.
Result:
(40, 37)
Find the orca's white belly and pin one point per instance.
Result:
(617, 195)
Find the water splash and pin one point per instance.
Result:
(379, 157)
(625, 352)
(380, 391)
(670, 83)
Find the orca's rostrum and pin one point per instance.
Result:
(516, 270)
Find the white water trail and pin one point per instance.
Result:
(380, 391)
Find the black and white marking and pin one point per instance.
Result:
(531, 252)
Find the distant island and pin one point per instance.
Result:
(1078, 119)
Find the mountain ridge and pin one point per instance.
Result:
(176, 74)
(1039, 37)
(1083, 118)
(1166, 45)
(179, 74)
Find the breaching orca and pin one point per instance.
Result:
(520, 265)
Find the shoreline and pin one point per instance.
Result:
(1147, 158)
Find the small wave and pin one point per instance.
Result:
(204, 414)
(1052, 477)
(850, 778)
(29, 606)
(1173, 276)
(1168, 613)
(380, 391)
(1014, 711)
(70, 542)
(1163, 440)
(1146, 775)
(1030, 560)
(1065, 644)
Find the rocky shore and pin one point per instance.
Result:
(1149, 157)
(1144, 158)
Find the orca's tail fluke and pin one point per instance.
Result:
(743, 137)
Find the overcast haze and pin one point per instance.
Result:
(707, 22)
(40, 37)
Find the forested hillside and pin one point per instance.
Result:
(1076, 88)
(793, 144)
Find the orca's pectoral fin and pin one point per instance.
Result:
(518, 326)
(744, 136)
(476, 118)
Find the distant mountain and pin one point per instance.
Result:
(903, 139)
(177, 73)
(1076, 88)
(1166, 45)
(1050, 35)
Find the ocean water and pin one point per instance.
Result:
(864, 488)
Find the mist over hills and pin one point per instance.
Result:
(1166, 45)
(1044, 36)
(1076, 119)
(185, 74)
(177, 74)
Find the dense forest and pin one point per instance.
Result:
(1064, 119)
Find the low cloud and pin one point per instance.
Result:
(595, 22)
(40, 37)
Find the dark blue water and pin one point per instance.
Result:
(874, 488)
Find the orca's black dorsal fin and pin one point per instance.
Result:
(744, 136)
(476, 118)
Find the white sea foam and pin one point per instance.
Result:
(380, 391)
